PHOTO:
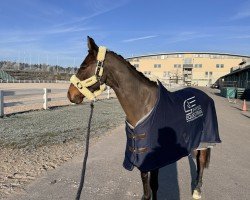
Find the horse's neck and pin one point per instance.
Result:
(136, 94)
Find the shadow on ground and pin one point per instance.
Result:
(168, 181)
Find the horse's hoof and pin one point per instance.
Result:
(196, 194)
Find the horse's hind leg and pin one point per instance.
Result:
(146, 186)
(202, 158)
(154, 183)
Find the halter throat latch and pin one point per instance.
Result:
(82, 86)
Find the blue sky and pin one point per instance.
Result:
(55, 31)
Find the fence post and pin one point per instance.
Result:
(1, 104)
(108, 91)
(45, 98)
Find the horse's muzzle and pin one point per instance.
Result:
(74, 95)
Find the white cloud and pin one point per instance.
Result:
(96, 7)
(242, 15)
(240, 37)
(17, 40)
(185, 36)
(140, 38)
(243, 12)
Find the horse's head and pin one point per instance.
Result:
(86, 71)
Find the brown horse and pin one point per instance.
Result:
(137, 96)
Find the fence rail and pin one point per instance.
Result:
(10, 98)
(33, 81)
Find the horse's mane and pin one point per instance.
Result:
(138, 73)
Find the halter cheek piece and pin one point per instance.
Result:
(82, 86)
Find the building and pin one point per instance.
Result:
(189, 68)
(238, 78)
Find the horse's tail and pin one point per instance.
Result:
(208, 154)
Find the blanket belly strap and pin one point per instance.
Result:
(138, 150)
(137, 136)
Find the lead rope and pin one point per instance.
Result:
(79, 191)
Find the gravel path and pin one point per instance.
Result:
(34, 142)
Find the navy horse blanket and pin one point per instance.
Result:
(178, 123)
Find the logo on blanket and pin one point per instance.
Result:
(192, 110)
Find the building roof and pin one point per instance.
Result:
(240, 70)
(173, 53)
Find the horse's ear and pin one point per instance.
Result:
(92, 45)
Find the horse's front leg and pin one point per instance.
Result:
(146, 186)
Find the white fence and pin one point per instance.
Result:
(33, 81)
(10, 98)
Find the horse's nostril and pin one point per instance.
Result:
(69, 96)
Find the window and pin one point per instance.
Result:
(173, 56)
(147, 72)
(205, 55)
(188, 60)
(177, 65)
(198, 66)
(208, 73)
(157, 65)
(219, 65)
(136, 65)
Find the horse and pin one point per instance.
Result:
(139, 97)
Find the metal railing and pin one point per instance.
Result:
(10, 98)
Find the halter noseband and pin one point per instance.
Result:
(82, 86)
